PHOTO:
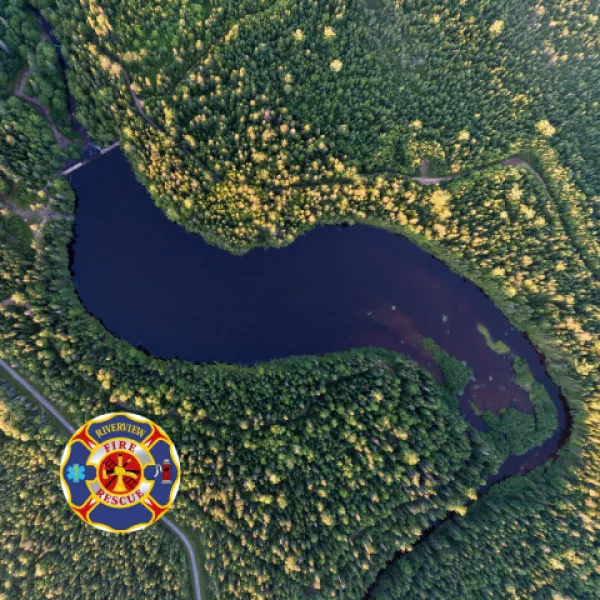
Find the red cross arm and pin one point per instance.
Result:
(85, 439)
(157, 509)
(83, 511)
(154, 437)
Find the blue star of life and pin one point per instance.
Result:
(76, 473)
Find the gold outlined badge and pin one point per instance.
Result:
(120, 472)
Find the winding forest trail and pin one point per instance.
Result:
(59, 138)
(579, 237)
(425, 179)
(46, 404)
(136, 100)
(513, 161)
(422, 178)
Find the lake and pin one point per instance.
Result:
(170, 293)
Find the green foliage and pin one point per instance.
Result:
(498, 346)
(456, 374)
(523, 376)
(45, 82)
(19, 31)
(247, 118)
(516, 432)
(546, 416)
(29, 154)
(320, 501)
(298, 464)
(513, 430)
(436, 167)
(15, 234)
(521, 521)
(16, 255)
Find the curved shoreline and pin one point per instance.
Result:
(423, 180)
(563, 432)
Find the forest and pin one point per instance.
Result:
(250, 123)
(34, 118)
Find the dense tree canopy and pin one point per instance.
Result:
(17, 255)
(251, 122)
(258, 102)
(31, 81)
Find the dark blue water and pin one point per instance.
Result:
(166, 290)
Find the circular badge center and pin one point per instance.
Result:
(120, 473)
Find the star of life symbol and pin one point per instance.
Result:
(120, 472)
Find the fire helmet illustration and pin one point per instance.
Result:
(120, 472)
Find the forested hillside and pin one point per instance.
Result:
(470, 127)
(33, 106)
(258, 102)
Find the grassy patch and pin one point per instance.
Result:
(523, 376)
(475, 408)
(546, 413)
(499, 347)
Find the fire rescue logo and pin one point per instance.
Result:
(120, 472)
